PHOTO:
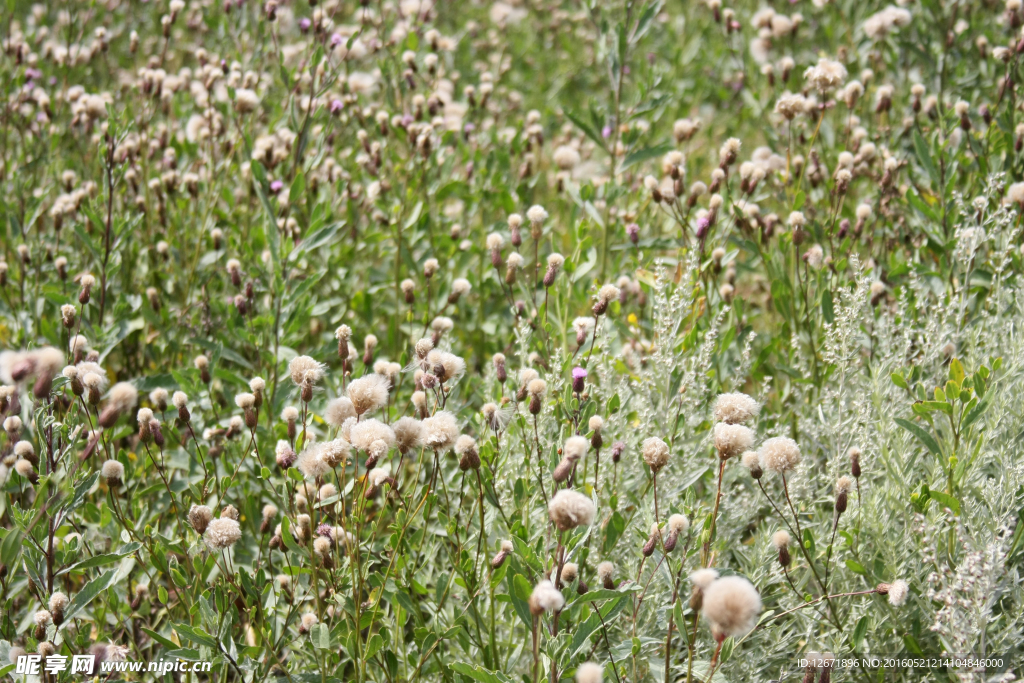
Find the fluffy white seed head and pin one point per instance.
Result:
(678, 524)
(898, 592)
(364, 434)
(779, 454)
(339, 410)
(546, 598)
(222, 533)
(440, 430)
(408, 433)
(780, 539)
(732, 439)
(369, 393)
(702, 578)
(732, 604)
(569, 509)
(575, 447)
(655, 453)
(735, 408)
(305, 371)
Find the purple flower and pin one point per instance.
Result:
(703, 224)
(304, 24)
(276, 186)
(324, 530)
(633, 232)
(336, 39)
(606, 132)
(579, 377)
(337, 106)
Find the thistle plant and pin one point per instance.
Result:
(513, 341)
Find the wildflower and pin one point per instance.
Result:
(26, 469)
(826, 75)
(566, 158)
(854, 455)
(732, 439)
(731, 604)
(504, 551)
(440, 430)
(58, 603)
(284, 455)
(364, 434)
(113, 472)
(465, 448)
(199, 517)
(555, 262)
(843, 486)
(339, 410)
(305, 373)
(311, 462)
(583, 327)
(460, 287)
(779, 454)
(307, 622)
(536, 389)
(897, 591)
(579, 378)
(222, 533)
(677, 526)
(735, 408)
(780, 539)
(246, 101)
(368, 393)
(408, 434)
(605, 296)
(569, 509)
(701, 580)
(545, 598)
(652, 540)
(655, 453)
(123, 396)
(605, 573)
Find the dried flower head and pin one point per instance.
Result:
(569, 509)
(731, 604)
(779, 454)
(655, 453)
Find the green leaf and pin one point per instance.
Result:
(100, 560)
(859, 631)
(166, 642)
(827, 310)
(478, 673)
(945, 500)
(519, 591)
(373, 646)
(856, 567)
(640, 155)
(956, 371)
(921, 433)
(898, 380)
(197, 635)
(586, 128)
(10, 549)
(88, 593)
(977, 411)
(727, 648)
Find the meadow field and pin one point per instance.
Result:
(512, 341)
